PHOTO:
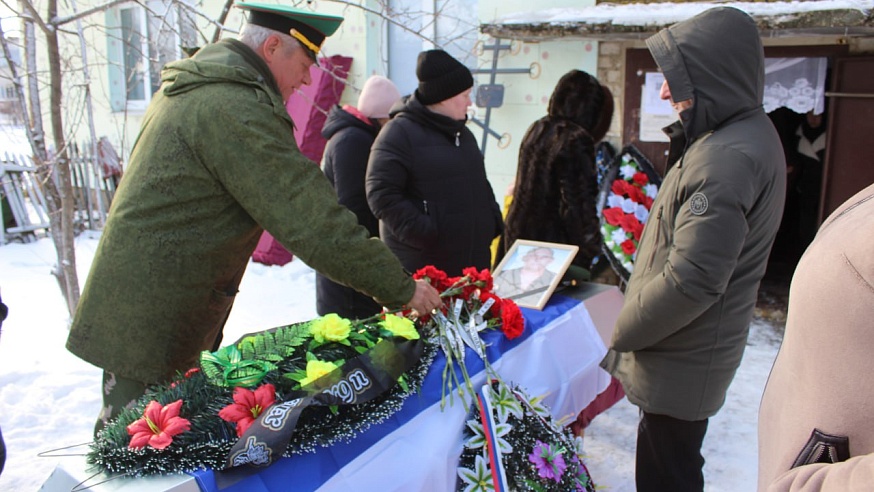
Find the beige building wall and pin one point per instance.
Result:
(525, 96)
(362, 36)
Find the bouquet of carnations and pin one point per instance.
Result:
(469, 307)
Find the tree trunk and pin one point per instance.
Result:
(62, 222)
(86, 74)
(223, 16)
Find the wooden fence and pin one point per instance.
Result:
(24, 207)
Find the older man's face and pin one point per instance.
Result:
(290, 66)
(540, 257)
(679, 106)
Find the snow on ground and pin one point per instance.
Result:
(49, 398)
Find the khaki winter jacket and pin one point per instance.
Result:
(681, 333)
(821, 377)
(215, 163)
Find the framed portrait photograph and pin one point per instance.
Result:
(531, 270)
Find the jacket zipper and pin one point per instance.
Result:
(457, 139)
(425, 204)
(658, 236)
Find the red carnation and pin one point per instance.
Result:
(637, 230)
(613, 215)
(636, 194)
(628, 247)
(514, 323)
(629, 223)
(640, 178)
(620, 187)
(495, 308)
(483, 278)
(647, 202)
(435, 276)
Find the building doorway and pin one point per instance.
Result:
(791, 240)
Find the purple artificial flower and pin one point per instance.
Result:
(549, 463)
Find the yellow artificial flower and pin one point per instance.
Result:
(317, 369)
(330, 328)
(400, 327)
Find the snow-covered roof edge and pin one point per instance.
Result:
(633, 21)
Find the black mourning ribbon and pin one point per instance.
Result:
(358, 380)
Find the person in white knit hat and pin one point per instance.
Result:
(350, 132)
(377, 97)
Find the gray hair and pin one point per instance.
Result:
(253, 36)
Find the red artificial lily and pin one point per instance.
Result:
(158, 426)
(248, 405)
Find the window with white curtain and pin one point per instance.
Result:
(795, 83)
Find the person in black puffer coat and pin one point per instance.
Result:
(554, 198)
(350, 132)
(426, 179)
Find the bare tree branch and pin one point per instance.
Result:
(59, 21)
(33, 15)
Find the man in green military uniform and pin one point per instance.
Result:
(214, 165)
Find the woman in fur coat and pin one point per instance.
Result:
(556, 186)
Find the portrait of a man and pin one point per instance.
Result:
(530, 272)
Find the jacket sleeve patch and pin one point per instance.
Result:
(698, 203)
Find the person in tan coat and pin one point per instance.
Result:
(815, 430)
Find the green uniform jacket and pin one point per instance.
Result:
(215, 163)
(682, 331)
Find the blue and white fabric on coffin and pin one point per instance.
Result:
(418, 447)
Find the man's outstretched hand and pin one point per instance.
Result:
(425, 299)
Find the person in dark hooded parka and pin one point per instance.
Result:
(681, 332)
(350, 132)
(556, 183)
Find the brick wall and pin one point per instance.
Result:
(611, 69)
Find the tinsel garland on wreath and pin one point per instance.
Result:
(207, 444)
(533, 452)
(329, 379)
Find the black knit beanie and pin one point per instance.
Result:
(440, 77)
